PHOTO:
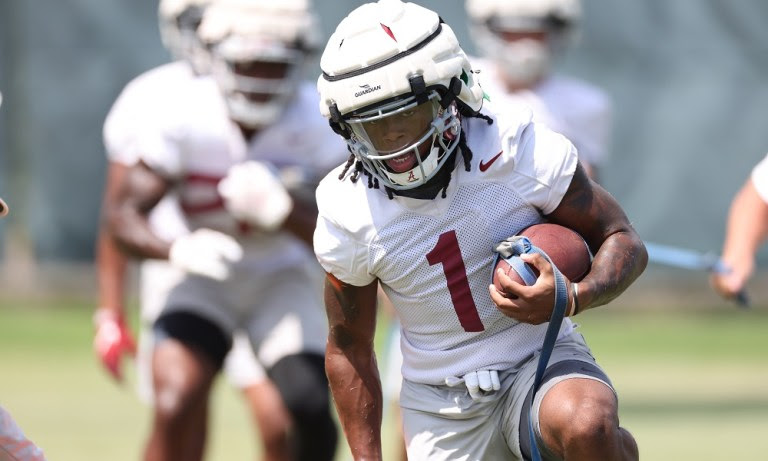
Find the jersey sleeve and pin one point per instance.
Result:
(759, 178)
(121, 126)
(544, 163)
(337, 249)
(160, 150)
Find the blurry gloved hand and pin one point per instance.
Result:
(206, 252)
(112, 341)
(252, 192)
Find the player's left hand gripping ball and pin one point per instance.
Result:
(253, 193)
(112, 341)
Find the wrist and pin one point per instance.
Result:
(574, 308)
(107, 314)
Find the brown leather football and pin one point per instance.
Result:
(565, 247)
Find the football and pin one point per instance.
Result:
(565, 247)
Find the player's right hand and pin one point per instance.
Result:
(731, 283)
(252, 192)
(112, 341)
(206, 252)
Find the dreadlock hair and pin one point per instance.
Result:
(442, 179)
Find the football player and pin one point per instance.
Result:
(131, 114)
(434, 182)
(242, 156)
(520, 41)
(746, 231)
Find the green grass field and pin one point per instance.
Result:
(693, 384)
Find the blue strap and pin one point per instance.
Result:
(510, 250)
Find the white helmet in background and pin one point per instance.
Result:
(526, 60)
(179, 20)
(258, 51)
(383, 60)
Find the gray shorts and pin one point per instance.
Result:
(444, 423)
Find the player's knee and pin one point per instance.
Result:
(303, 386)
(177, 393)
(590, 419)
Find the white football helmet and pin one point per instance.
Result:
(258, 51)
(384, 60)
(179, 20)
(525, 60)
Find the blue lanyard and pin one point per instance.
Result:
(516, 246)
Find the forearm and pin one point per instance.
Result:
(351, 365)
(356, 390)
(132, 233)
(747, 226)
(616, 265)
(619, 253)
(127, 216)
(111, 266)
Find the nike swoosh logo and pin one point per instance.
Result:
(485, 165)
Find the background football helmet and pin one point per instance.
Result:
(384, 59)
(179, 20)
(523, 60)
(258, 51)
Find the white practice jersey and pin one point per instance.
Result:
(577, 109)
(199, 143)
(434, 257)
(760, 178)
(133, 113)
(142, 99)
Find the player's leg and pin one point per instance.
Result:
(14, 445)
(575, 412)
(189, 352)
(579, 420)
(442, 423)
(289, 331)
(270, 416)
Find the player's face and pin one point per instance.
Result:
(400, 130)
(518, 36)
(265, 72)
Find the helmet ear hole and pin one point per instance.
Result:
(340, 129)
(337, 122)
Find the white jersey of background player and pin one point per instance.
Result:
(239, 157)
(433, 185)
(137, 110)
(519, 41)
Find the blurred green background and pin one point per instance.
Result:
(688, 80)
(693, 382)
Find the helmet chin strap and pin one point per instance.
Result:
(431, 188)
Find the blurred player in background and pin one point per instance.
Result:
(14, 445)
(184, 154)
(131, 114)
(432, 185)
(520, 41)
(746, 231)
